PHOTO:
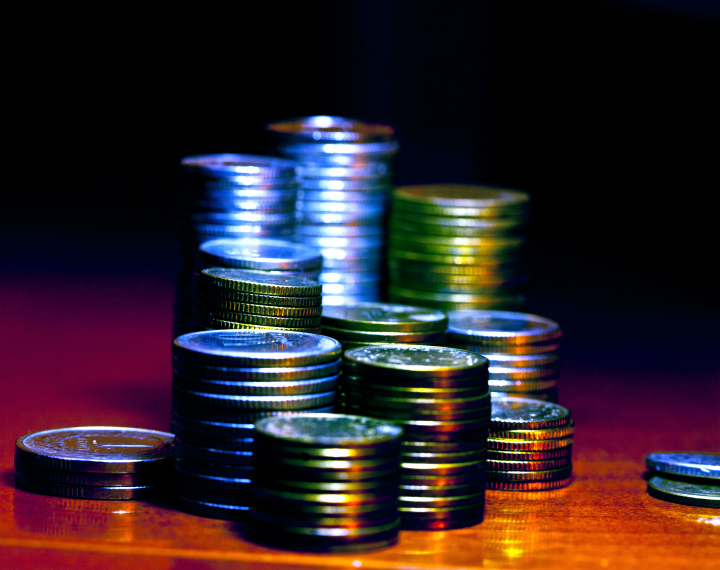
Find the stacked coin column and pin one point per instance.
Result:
(345, 171)
(229, 195)
(325, 482)
(367, 324)
(455, 247)
(523, 350)
(440, 397)
(223, 382)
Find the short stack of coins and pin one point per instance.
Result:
(231, 196)
(229, 298)
(95, 462)
(325, 482)
(457, 246)
(364, 324)
(223, 382)
(345, 171)
(523, 350)
(530, 445)
(684, 478)
(440, 397)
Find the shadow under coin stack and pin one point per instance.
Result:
(231, 196)
(530, 445)
(440, 397)
(325, 482)
(456, 246)
(523, 350)
(365, 324)
(230, 298)
(224, 382)
(95, 462)
(345, 170)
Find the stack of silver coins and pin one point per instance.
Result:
(457, 246)
(325, 482)
(345, 175)
(230, 298)
(230, 196)
(224, 382)
(530, 445)
(95, 462)
(365, 324)
(440, 397)
(523, 350)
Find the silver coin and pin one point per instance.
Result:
(684, 492)
(259, 253)
(118, 493)
(526, 413)
(306, 230)
(96, 449)
(501, 327)
(228, 165)
(705, 465)
(417, 359)
(384, 317)
(239, 218)
(362, 217)
(331, 128)
(341, 242)
(357, 188)
(373, 170)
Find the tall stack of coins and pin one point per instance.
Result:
(530, 445)
(364, 324)
(684, 478)
(325, 482)
(523, 350)
(230, 195)
(230, 298)
(345, 171)
(95, 462)
(456, 247)
(223, 382)
(440, 397)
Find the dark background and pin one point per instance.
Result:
(605, 111)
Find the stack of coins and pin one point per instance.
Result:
(530, 445)
(345, 173)
(223, 382)
(685, 478)
(230, 298)
(363, 324)
(455, 247)
(325, 482)
(523, 350)
(440, 397)
(95, 462)
(230, 195)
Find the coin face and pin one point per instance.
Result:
(259, 253)
(329, 429)
(462, 195)
(384, 317)
(232, 165)
(260, 282)
(501, 327)
(705, 465)
(684, 492)
(417, 358)
(96, 449)
(526, 413)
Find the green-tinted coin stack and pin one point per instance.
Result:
(325, 482)
(95, 462)
(229, 196)
(229, 298)
(223, 382)
(523, 350)
(457, 246)
(366, 324)
(530, 445)
(440, 397)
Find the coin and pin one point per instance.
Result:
(261, 374)
(556, 474)
(247, 403)
(97, 449)
(525, 413)
(684, 492)
(704, 465)
(66, 477)
(501, 328)
(118, 493)
(527, 485)
(461, 200)
(210, 305)
(257, 388)
(384, 317)
(212, 510)
(535, 445)
(259, 253)
(260, 282)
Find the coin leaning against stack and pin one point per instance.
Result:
(369, 323)
(229, 298)
(685, 478)
(530, 445)
(440, 397)
(223, 382)
(325, 482)
(95, 462)
(229, 196)
(457, 246)
(523, 350)
(345, 171)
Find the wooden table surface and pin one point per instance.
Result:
(85, 332)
